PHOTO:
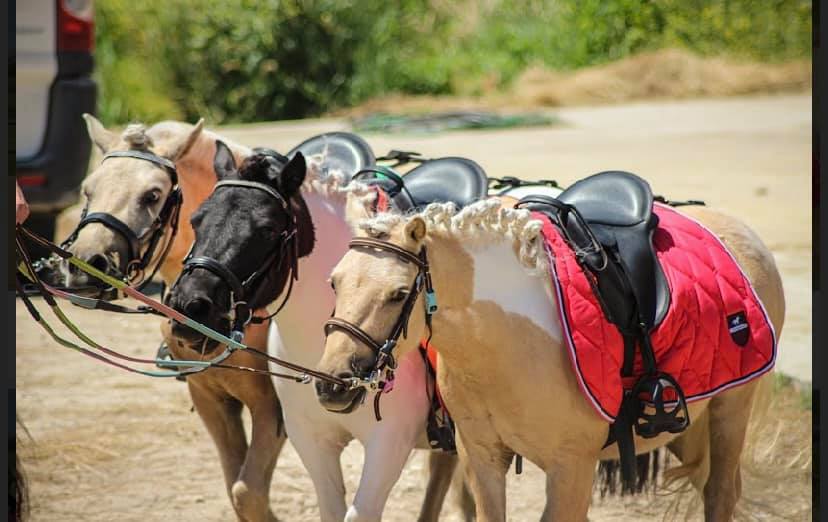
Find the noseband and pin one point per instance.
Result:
(137, 263)
(383, 351)
(287, 249)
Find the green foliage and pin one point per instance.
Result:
(133, 84)
(245, 60)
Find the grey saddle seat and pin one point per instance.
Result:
(452, 179)
(345, 151)
(617, 208)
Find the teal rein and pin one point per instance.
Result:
(26, 269)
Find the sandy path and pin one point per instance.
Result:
(113, 446)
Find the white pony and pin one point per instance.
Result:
(319, 435)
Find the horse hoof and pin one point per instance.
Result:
(250, 507)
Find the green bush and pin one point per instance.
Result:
(242, 60)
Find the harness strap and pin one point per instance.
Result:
(334, 323)
(211, 265)
(192, 366)
(164, 163)
(378, 244)
(256, 185)
(136, 263)
(113, 223)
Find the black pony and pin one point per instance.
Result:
(249, 234)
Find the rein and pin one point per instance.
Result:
(385, 362)
(137, 263)
(287, 250)
(26, 269)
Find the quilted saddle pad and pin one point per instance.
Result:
(716, 333)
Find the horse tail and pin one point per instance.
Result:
(18, 489)
(648, 466)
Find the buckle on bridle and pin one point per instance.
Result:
(431, 302)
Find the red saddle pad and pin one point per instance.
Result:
(715, 335)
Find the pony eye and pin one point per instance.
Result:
(269, 233)
(399, 295)
(150, 197)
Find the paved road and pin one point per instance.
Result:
(751, 156)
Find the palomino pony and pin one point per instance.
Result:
(271, 204)
(504, 368)
(134, 190)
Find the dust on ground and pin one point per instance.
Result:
(109, 445)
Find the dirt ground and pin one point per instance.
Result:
(106, 445)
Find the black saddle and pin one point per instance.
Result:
(345, 151)
(618, 208)
(457, 180)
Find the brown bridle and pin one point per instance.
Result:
(383, 350)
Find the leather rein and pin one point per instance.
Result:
(286, 250)
(97, 351)
(137, 263)
(385, 361)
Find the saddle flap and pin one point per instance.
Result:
(344, 151)
(647, 280)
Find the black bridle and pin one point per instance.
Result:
(384, 350)
(286, 250)
(137, 263)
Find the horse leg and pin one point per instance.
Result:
(729, 416)
(251, 491)
(569, 489)
(321, 458)
(441, 466)
(386, 452)
(463, 496)
(485, 465)
(221, 416)
(692, 448)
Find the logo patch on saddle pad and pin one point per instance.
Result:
(739, 328)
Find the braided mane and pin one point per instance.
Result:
(481, 223)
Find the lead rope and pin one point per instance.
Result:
(195, 366)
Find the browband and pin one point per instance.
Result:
(378, 244)
(164, 163)
(253, 184)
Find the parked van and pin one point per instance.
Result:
(52, 60)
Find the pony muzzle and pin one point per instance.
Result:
(339, 398)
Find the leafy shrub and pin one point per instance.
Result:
(243, 60)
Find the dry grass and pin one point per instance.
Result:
(668, 73)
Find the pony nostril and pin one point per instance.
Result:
(99, 262)
(198, 307)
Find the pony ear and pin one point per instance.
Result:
(178, 150)
(101, 137)
(415, 229)
(293, 175)
(224, 164)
